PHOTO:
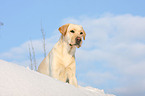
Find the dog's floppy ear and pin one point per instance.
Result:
(84, 34)
(63, 29)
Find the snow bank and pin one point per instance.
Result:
(16, 80)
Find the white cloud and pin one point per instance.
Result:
(20, 54)
(98, 78)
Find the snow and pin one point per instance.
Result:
(17, 80)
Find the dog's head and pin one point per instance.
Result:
(73, 34)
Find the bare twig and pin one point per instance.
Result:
(33, 51)
(44, 45)
(1, 24)
(30, 56)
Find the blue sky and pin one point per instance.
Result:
(112, 56)
(28, 15)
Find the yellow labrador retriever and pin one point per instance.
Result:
(60, 62)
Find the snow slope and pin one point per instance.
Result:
(17, 80)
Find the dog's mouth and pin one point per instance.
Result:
(76, 45)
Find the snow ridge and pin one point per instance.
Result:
(17, 80)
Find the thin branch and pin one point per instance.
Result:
(30, 57)
(44, 45)
(33, 51)
(1, 23)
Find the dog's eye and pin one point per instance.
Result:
(81, 33)
(72, 31)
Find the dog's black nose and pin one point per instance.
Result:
(78, 40)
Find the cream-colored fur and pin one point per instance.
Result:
(60, 62)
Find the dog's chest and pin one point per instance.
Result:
(64, 54)
(67, 60)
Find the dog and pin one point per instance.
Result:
(60, 62)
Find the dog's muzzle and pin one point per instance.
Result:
(78, 40)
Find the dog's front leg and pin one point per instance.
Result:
(71, 77)
(73, 80)
(60, 73)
